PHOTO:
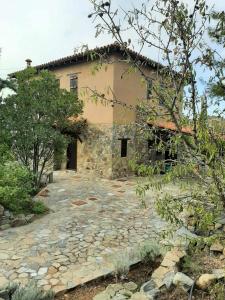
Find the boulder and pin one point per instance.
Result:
(216, 247)
(205, 280)
(140, 296)
(224, 251)
(180, 279)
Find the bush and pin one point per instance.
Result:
(121, 265)
(39, 208)
(16, 186)
(148, 251)
(29, 292)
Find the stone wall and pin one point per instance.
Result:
(121, 165)
(100, 150)
(94, 152)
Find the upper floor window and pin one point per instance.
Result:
(74, 83)
(149, 89)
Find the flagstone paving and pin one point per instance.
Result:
(90, 220)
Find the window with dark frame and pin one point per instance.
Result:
(149, 89)
(123, 147)
(74, 83)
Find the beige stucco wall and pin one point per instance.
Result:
(102, 81)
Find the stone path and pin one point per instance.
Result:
(91, 219)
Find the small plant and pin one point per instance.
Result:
(218, 291)
(121, 265)
(32, 292)
(148, 251)
(39, 208)
(28, 292)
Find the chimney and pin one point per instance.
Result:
(28, 61)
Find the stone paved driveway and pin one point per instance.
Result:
(91, 219)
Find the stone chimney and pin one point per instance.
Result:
(28, 61)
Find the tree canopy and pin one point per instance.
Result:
(33, 116)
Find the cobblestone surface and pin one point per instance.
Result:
(91, 219)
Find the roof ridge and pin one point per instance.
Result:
(79, 57)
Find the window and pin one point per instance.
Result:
(58, 82)
(73, 84)
(123, 147)
(162, 90)
(149, 89)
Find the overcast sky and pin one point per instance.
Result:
(44, 30)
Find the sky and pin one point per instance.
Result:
(45, 30)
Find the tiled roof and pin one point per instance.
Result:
(170, 126)
(89, 55)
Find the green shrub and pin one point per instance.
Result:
(28, 292)
(39, 208)
(121, 264)
(148, 251)
(15, 187)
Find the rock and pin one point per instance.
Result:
(130, 286)
(219, 273)
(4, 294)
(3, 281)
(218, 226)
(216, 247)
(180, 279)
(5, 226)
(224, 251)
(112, 289)
(30, 218)
(52, 270)
(175, 255)
(102, 296)
(1, 210)
(140, 296)
(205, 280)
(42, 271)
(149, 289)
(19, 220)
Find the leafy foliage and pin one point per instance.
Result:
(39, 208)
(192, 151)
(34, 116)
(16, 186)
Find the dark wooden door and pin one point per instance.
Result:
(72, 156)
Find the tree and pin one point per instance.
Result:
(34, 117)
(177, 32)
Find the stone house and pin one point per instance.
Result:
(110, 92)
